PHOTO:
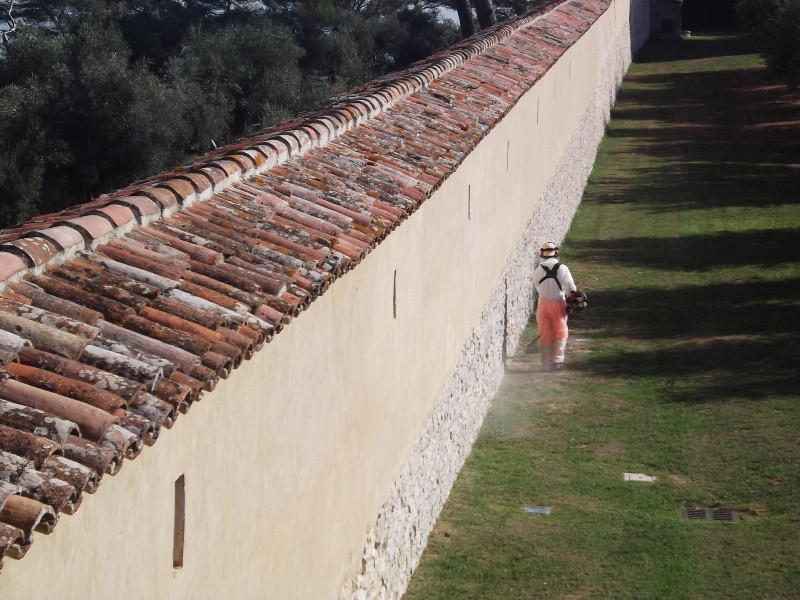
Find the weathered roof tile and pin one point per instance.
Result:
(118, 214)
(91, 227)
(182, 189)
(63, 237)
(163, 197)
(214, 172)
(93, 422)
(143, 208)
(35, 250)
(28, 515)
(201, 183)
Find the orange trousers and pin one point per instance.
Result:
(551, 316)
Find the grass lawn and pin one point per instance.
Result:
(684, 367)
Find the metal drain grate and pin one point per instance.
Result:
(711, 514)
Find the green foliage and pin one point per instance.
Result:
(135, 126)
(32, 104)
(508, 9)
(97, 93)
(255, 83)
(155, 31)
(89, 120)
(422, 36)
(336, 44)
(774, 25)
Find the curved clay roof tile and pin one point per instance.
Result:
(92, 421)
(118, 215)
(99, 459)
(36, 421)
(28, 515)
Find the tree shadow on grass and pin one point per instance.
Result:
(692, 49)
(704, 138)
(689, 160)
(706, 343)
(698, 139)
(698, 186)
(750, 308)
(767, 143)
(700, 253)
(710, 370)
(770, 142)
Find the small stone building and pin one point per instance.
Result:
(665, 18)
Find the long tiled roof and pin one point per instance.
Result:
(118, 314)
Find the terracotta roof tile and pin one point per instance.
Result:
(62, 306)
(201, 183)
(43, 335)
(304, 139)
(269, 153)
(196, 249)
(11, 264)
(255, 158)
(317, 133)
(182, 189)
(140, 258)
(31, 447)
(215, 173)
(142, 207)
(28, 515)
(91, 227)
(163, 197)
(228, 165)
(123, 442)
(117, 214)
(93, 422)
(123, 365)
(56, 286)
(36, 421)
(235, 165)
(11, 305)
(12, 540)
(126, 389)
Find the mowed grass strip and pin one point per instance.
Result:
(684, 367)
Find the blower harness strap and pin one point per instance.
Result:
(552, 274)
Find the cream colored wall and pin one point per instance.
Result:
(288, 463)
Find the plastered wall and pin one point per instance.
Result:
(298, 463)
(396, 540)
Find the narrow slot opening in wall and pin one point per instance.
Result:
(180, 522)
(505, 324)
(508, 151)
(469, 202)
(394, 296)
(538, 100)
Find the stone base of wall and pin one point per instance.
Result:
(395, 543)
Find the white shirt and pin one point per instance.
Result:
(548, 289)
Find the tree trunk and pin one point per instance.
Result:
(466, 19)
(11, 24)
(485, 10)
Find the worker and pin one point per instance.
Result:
(553, 282)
